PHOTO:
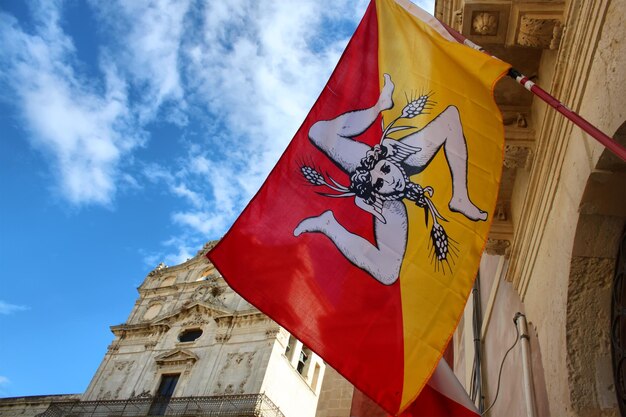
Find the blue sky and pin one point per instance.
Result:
(131, 133)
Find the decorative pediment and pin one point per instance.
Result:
(196, 313)
(176, 357)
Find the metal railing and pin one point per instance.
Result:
(250, 405)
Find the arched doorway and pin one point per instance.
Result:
(590, 291)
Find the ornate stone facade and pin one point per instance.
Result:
(189, 325)
(236, 350)
(561, 209)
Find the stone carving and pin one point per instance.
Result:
(168, 281)
(207, 247)
(485, 23)
(114, 383)
(500, 212)
(197, 319)
(517, 119)
(177, 357)
(144, 394)
(222, 337)
(537, 32)
(152, 311)
(271, 333)
(249, 319)
(498, 247)
(160, 267)
(139, 331)
(516, 156)
(458, 18)
(208, 293)
(235, 373)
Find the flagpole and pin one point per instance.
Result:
(604, 139)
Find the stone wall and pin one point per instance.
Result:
(336, 395)
(31, 406)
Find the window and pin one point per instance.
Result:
(163, 395)
(291, 345)
(189, 335)
(316, 376)
(305, 353)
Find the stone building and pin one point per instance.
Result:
(553, 252)
(191, 346)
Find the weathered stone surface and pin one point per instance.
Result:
(33, 405)
(564, 197)
(588, 337)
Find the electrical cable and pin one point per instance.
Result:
(501, 367)
(476, 378)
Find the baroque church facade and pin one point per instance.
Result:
(192, 346)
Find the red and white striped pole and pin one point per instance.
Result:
(593, 131)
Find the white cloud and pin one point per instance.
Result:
(257, 66)
(200, 164)
(83, 127)
(176, 250)
(194, 198)
(183, 252)
(8, 308)
(147, 37)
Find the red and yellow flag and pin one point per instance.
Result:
(365, 238)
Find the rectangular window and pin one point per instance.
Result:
(305, 353)
(291, 345)
(316, 377)
(163, 394)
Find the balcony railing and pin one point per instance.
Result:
(252, 405)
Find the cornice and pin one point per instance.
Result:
(162, 269)
(574, 59)
(128, 331)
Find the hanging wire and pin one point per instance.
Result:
(501, 366)
(476, 379)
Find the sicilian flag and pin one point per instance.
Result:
(365, 238)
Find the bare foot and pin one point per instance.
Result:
(468, 209)
(385, 101)
(315, 224)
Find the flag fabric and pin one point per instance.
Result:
(365, 238)
(443, 395)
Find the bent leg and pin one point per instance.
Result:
(383, 261)
(334, 137)
(445, 131)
